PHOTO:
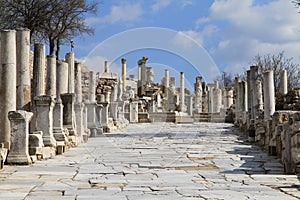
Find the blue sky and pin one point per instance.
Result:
(221, 34)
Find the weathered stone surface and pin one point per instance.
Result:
(19, 153)
(157, 161)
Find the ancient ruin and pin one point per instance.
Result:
(61, 104)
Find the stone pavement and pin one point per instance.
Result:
(155, 161)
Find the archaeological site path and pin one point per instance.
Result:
(156, 161)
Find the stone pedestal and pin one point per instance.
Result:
(91, 118)
(133, 112)
(7, 83)
(60, 134)
(19, 153)
(44, 118)
(69, 113)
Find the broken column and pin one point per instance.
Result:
(70, 60)
(269, 94)
(23, 70)
(283, 84)
(51, 76)
(182, 93)
(19, 152)
(39, 70)
(198, 95)
(8, 83)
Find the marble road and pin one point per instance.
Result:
(156, 161)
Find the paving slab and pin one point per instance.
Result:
(156, 161)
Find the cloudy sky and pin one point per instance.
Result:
(231, 32)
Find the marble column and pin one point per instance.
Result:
(228, 97)
(19, 152)
(44, 118)
(269, 94)
(106, 67)
(249, 95)
(71, 62)
(283, 84)
(182, 93)
(8, 83)
(39, 70)
(217, 98)
(198, 95)
(59, 132)
(142, 75)
(172, 93)
(257, 99)
(166, 89)
(51, 76)
(62, 80)
(79, 106)
(237, 100)
(123, 75)
(243, 97)
(204, 98)
(23, 70)
(91, 105)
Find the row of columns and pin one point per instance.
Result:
(55, 99)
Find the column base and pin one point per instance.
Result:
(17, 159)
(49, 141)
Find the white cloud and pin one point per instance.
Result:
(184, 3)
(201, 21)
(251, 29)
(159, 4)
(120, 13)
(187, 38)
